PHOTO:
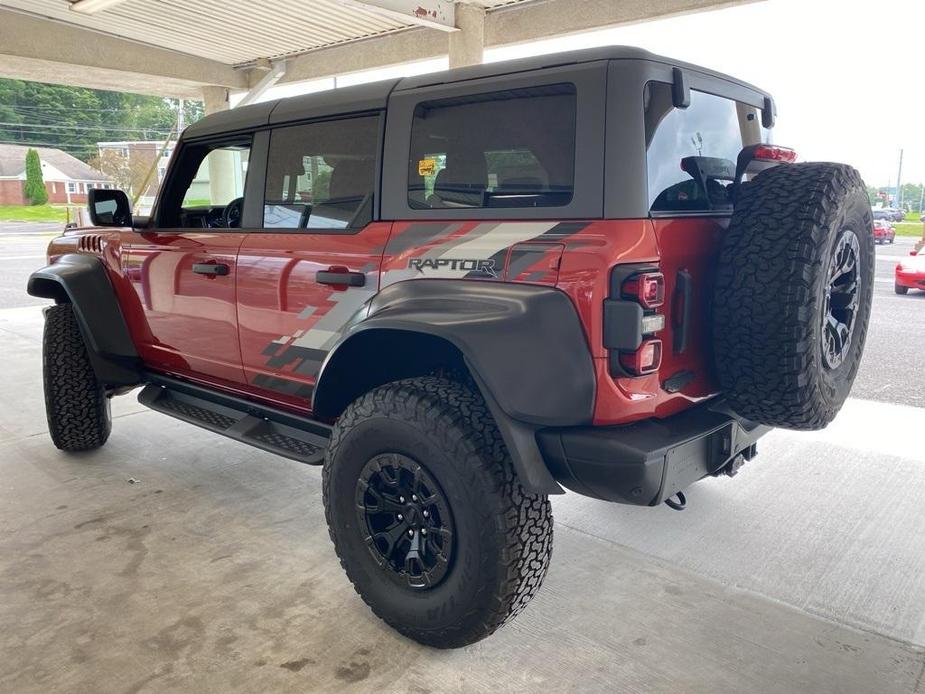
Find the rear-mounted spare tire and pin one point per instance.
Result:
(792, 294)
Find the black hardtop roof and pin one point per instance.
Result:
(373, 96)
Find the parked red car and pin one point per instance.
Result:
(910, 273)
(883, 231)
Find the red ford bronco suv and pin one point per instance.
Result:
(463, 292)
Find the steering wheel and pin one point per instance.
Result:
(231, 218)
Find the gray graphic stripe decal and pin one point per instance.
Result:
(284, 385)
(417, 235)
(522, 258)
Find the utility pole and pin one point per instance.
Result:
(899, 184)
(181, 116)
(922, 199)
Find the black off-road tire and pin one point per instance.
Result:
(503, 534)
(76, 404)
(772, 291)
(899, 289)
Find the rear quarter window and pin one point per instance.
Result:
(513, 148)
(691, 153)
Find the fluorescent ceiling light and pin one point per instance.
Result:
(93, 6)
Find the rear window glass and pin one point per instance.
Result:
(691, 153)
(514, 148)
(321, 175)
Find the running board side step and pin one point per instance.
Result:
(264, 427)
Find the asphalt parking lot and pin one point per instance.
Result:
(213, 571)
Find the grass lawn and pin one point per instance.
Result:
(909, 228)
(32, 213)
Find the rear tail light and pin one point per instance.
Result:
(644, 360)
(633, 318)
(775, 153)
(647, 288)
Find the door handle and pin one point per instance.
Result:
(342, 277)
(210, 269)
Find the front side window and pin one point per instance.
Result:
(207, 188)
(514, 148)
(322, 175)
(691, 153)
(219, 179)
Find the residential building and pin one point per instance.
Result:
(67, 179)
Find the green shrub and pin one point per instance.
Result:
(35, 185)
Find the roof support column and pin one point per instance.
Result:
(467, 45)
(221, 162)
(214, 99)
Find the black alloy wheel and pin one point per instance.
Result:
(409, 527)
(841, 299)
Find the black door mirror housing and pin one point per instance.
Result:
(109, 208)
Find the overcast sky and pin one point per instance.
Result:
(848, 76)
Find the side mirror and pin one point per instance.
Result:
(109, 208)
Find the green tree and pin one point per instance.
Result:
(75, 119)
(35, 184)
(912, 194)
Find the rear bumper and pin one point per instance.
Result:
(913, 280)
(646, 462)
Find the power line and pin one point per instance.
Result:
(54, 145)
(69, 109)
(44, 126)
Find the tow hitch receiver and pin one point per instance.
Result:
(731, 469)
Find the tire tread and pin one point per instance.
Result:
(767, 291)
(76, 405)
(457, 417)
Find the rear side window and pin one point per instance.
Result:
(513, 148)
(691, 153)
(321, 175)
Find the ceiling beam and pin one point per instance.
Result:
(433, 14)
(393, 49)
(533, 21)
(508, 25)
(42, 50)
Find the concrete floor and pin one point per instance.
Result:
(213, 571)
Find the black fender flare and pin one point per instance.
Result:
(523, 344)
(82, 281)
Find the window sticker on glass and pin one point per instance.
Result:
(427, 167)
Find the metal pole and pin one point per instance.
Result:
(153, 168)
(921, 197)
(899, 184)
